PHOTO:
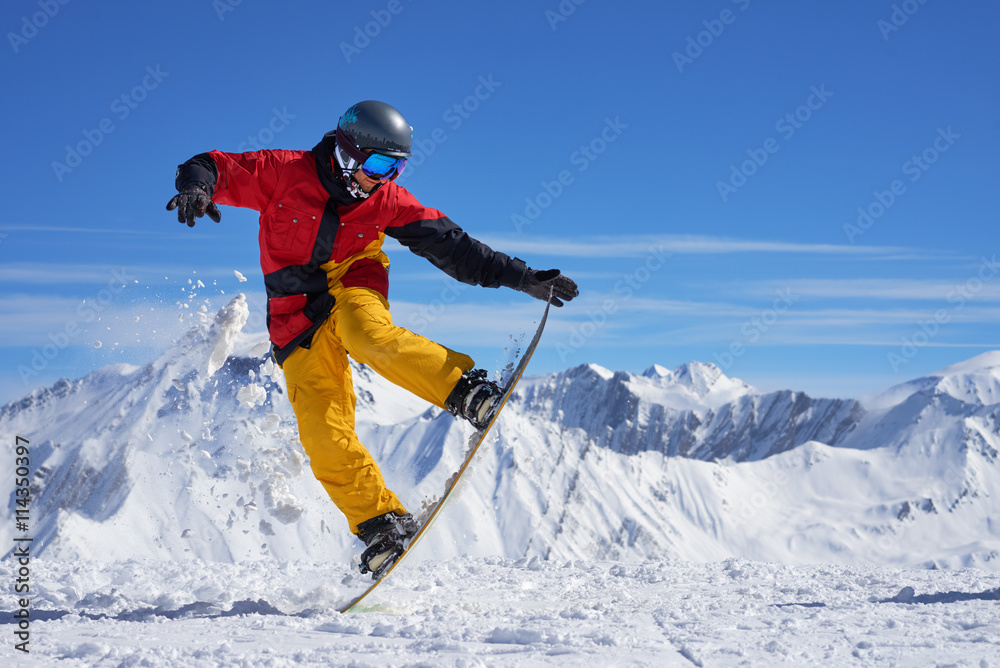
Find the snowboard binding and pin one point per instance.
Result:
(474, 398)
(386, 537)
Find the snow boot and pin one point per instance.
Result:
(386, 537)
(474, 398)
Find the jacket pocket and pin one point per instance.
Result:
(354, 237)
(286, 318)
(290, 232)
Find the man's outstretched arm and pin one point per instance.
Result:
(448, 247)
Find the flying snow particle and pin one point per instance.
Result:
(251, 395)
(98, 344)
(240, 277)
(267, 368)
(228, 323)
(261, 349)
(270, 422)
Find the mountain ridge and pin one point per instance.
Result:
(195, 455)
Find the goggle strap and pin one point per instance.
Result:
(344, 142)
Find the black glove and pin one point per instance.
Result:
(549, 286)
(193, 202)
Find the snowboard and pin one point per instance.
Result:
(508, 388)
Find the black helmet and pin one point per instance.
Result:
(377, 126)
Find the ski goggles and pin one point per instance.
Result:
(374, 165)
(378, 166)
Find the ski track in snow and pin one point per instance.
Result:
(493, 611)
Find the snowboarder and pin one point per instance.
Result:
(324, 215)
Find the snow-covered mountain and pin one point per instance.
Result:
(195, 455)
(693, 411)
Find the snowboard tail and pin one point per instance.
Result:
(429, 515)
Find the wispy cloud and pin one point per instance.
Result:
(917, 289)
(53, 273)
(641, 245)
(36, 320)
(40, 273)
(484, 324)
(66, 229)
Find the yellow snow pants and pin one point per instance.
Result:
(322, 394)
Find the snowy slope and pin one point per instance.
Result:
(195, 456)
(912, 481)
(502, 612)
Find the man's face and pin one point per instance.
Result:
(366, 182)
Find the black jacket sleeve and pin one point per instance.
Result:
(457, 254)
(200, 171)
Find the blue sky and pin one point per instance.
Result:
(802, 193)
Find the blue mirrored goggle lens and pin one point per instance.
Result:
(378, 166)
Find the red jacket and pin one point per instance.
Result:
(314, 234)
